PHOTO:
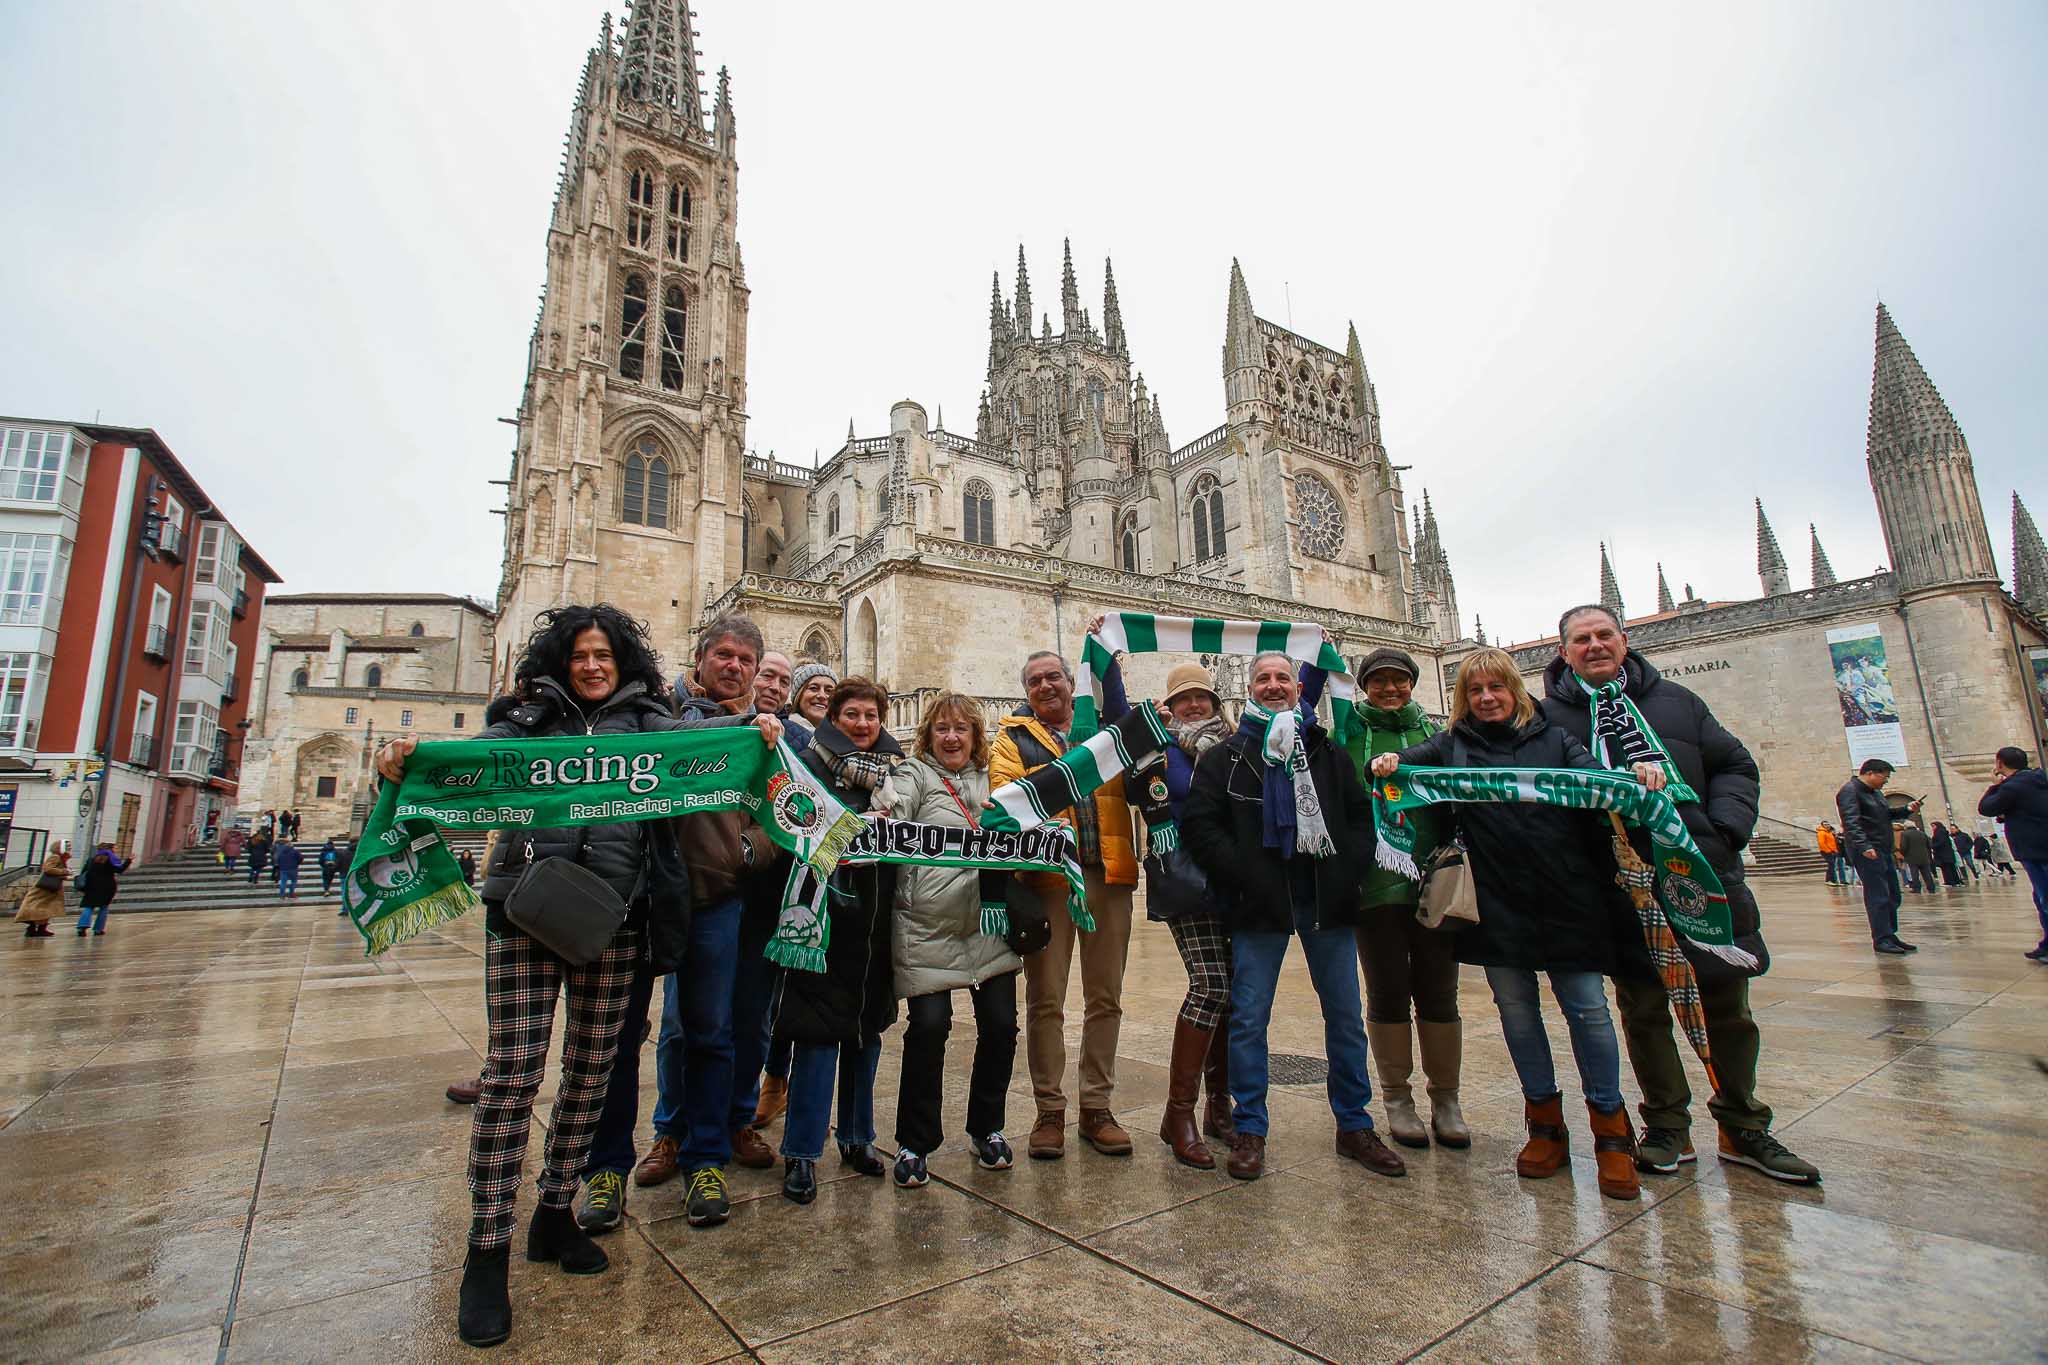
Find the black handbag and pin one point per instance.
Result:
(1030, 922)
(566, 908)
(1175, 886)
(51, 881)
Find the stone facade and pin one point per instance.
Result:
(335, 674)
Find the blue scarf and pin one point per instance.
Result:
(1276, 803)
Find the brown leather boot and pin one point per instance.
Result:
(466, 1092)
(1614, 1149)
(1247, 1157)
(1548, 1147)
(774, 1100)
(1183, 1083)
(751, 1150)
(659, 1164)
(1216, 1116)
(1048, 1140)
(1099, 1128)
(1364, 1147)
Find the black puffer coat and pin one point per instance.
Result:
(854, 999)
(615, 852)
(1545, 874)
(1223, 826)
(1713, 762)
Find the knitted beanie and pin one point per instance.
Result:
(807, 672)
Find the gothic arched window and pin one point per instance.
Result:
(815, 645)
(978, 514)
(300, 679)
(640, 208)
(1207, 513)
(832, 516)
(419, 630)
(674, 318)
(633, 329)
(676, 240)
(373, 676)
(643, 492)
(1128, 546)
(882, 500)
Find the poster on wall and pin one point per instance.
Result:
(1863, 686)
(2037, 661)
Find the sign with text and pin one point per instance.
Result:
(1870, 710)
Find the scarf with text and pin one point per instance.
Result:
(1072, 778)
(1292, 812)
(1622, 738)
(804, 930)
(1141, 632)
(404, 880)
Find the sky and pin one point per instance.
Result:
(1614, 267)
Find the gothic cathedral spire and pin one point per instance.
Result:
(1610, 590)
(659, 66)
(1070, 296)
(1664, 602)
(1770, 560)
(1921, 472)
(2029, 561)
(1112, 312)
(1823, 572)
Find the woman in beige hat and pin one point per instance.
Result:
(1176, 895)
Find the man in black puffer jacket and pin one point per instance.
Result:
(1593, 652)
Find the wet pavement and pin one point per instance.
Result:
(225, 1139)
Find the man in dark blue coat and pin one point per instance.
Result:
(1650, 718)
(2019, 796)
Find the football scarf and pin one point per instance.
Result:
(1622, 738)
(1035, 798)
(1141, 632)
(1291, 809)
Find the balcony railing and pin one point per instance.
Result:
(170, 542)
(241, 603)
(141, 750)
(156, 643)
(231, 689)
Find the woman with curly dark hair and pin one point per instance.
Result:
(587, 670)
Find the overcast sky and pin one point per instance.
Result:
(1614, 268)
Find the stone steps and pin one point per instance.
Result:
(1777, 858)
(195, 880)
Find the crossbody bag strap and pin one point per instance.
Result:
(944, 782)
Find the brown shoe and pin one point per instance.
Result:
(774, 1100)
(1364, 1147)
(467, 1092)
(1048, 1140)
(1216, 1114)
(1247, 1157)
(751, 1150)
(1183, 1082)
(1548, 1148)
(1102, 1132)
(1614, 1151)
(659, 1164)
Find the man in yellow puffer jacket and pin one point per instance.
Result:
(1030, 739)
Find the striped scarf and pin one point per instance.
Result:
(1293, 813)
(1072, 778)
(1141, 632)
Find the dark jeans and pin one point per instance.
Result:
(611, 1148)
(1880, 896)
(814, 1067)
(919, 1127)
(694, 1055)
(1732, 1038)
(2037, 873)
(328, 873)
(753, 985)
(1404, 961)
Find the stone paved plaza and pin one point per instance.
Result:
(225, 1139)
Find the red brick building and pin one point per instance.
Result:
(128, 623)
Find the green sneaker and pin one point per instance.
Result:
(604, 1203)
(709, 1205)
(1664, 1150)
(1759, 1150)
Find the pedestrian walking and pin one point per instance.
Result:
(1867, 828)
(2019, 796)
(45, 900)
(232, 843)
(1917, 851)
(1944, 848)
(331, 868)
(288, 860)
(97, 883)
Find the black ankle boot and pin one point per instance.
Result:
(554, 1236)
(485, 1315)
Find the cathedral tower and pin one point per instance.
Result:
(625, 483)
(1921, 472)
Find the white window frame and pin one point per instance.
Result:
(144, 730)
(207, 570)
(23, 678)
(33, 464)
(32, 566)
(349, 716)
(193, 737)
(405, 719)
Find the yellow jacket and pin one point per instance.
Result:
(1112, 811)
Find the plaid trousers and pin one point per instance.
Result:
(1204, 943)
(521, 980)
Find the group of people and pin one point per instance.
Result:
(96, 884)
(1268, 851)
(1886, 847)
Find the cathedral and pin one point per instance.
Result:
(930, 558)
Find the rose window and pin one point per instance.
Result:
(1321, 516)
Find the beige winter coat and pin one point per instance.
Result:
(935, 934)
(40, 907)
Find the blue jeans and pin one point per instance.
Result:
(1881, 896)
(91, 917)
(812, 1070)
(693, 1060)
(1583, 998)
(287, 883)
(2037, 873)
(1255, 975)
(753, 986)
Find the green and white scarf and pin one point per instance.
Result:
(1281, 746)
(1141, 632)
(1691, 896)
(1622, 738)
(804, 930)
(403, 879)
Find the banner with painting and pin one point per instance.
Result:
(1863, 686)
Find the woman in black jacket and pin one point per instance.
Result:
(97, 885)
(836, 1017)
(585, 671)
(1548, 902)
